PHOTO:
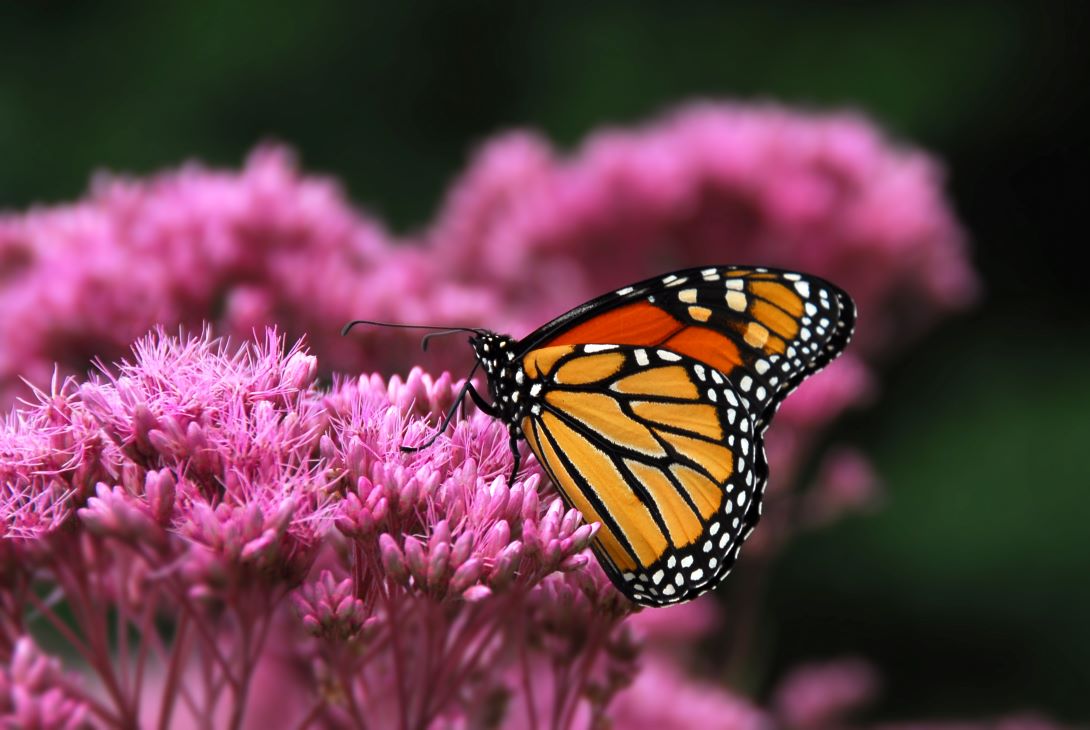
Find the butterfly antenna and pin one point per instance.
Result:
(450, 413)
(444, 333)
(447, 330)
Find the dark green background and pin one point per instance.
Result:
(970, 589)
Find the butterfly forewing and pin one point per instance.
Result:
(765, 330)
(657, 447)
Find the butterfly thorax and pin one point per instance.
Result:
(497, 355)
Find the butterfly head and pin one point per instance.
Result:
(497, 355)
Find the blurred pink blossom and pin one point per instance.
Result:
(706, 184)
(679, 624)
(662, 698)
(846, 483)
(815, 696)
(523, 235)
(36, 693)
(1027, 721)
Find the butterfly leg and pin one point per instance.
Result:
(486, 407)
(517, 457)
(459, 400)
(491, 410)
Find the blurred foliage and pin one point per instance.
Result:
(970, 588)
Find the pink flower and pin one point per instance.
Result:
(846, 483)
(35, 692)
(661, 698)
(709, 183)
(330, 609)
(199, 483)
(1026, 721)
(823, 695)
(678, 624)
(524, 235)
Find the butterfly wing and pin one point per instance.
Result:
(765, 330)
(655, 446)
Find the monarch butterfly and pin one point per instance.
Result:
(647, 408)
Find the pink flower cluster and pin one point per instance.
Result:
(36, 693)
(220, 492)
(221, 541)
(525, 234)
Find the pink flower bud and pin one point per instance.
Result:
(465, 576)
(582, 536)
(159, 492)
(574, 562)
(503, 572)
(499, 494)
(571, 520)
(327, 448)
(143, 422)
(299, 371)
(476, 593)
(115, 513)
(462, 548)
(393, 560)
(438, 571)
(440, 534)
(262, 548)
(530, 504)
(159, 441)
(498, 537)
(417, 561)
(353, 519)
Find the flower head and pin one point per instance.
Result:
(206, 480)
(36, 693)
(823, 695)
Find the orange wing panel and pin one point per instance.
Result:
(707, 346)
(639, 324)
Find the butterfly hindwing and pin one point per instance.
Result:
(657, 447)
(765, 330)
